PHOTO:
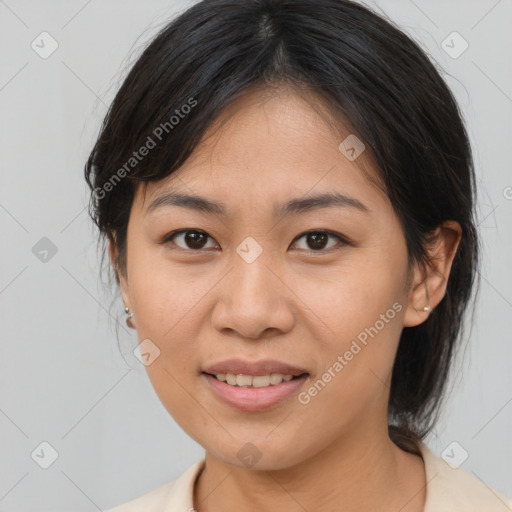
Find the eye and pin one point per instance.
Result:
(191, 238)
(195, 239)
(318, 240)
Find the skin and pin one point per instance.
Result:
(294, 304)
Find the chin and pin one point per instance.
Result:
(257, 455)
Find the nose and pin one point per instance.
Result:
(253, 301)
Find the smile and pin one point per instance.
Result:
(254, 393)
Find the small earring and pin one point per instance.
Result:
(427, 308)
(129, 318)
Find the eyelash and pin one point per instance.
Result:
(341, 239)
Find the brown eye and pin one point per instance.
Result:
(190, 239)
(318, 240)
(196, 240)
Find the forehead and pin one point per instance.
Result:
(269, 146)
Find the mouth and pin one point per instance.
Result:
(254, 393)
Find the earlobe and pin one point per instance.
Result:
(429, 284)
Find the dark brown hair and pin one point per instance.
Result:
(368, 72)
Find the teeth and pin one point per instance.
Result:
(255, 381)
(243, 380)
(260, 381)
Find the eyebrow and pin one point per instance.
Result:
(294, 206)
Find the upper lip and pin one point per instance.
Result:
(263, 367)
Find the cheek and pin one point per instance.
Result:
(361, 309)
(166, 296)
(354, 381)
(167, 306)
(367, 288)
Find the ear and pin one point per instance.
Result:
(429, 285)
(120, 277)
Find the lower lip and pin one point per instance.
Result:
(254, 399)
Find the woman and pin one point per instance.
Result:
(287, 192)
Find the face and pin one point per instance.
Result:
(320, 287)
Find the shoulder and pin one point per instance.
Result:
(454, 489)
(177, 494)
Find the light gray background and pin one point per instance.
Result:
(63, 379)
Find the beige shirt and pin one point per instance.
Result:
(448, 490)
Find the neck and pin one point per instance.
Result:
(365, 471)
